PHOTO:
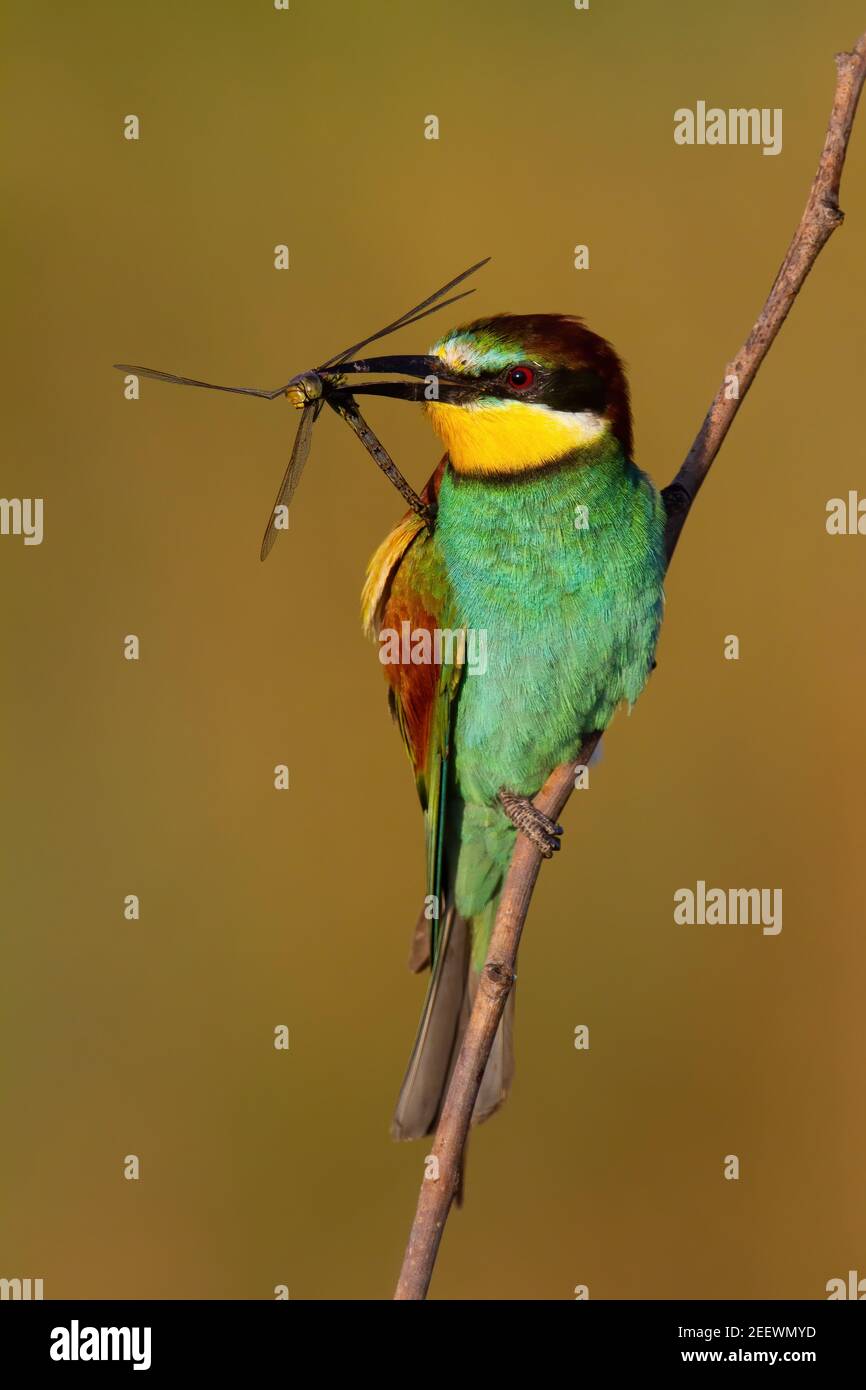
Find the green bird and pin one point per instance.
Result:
(516, 605)
(511, 623)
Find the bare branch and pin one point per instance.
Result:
(820, 218)
(497, 977)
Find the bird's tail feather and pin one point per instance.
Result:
(499, 1072)
(443, 1022)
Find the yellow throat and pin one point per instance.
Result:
(504, 436)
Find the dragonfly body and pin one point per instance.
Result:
(309, 391)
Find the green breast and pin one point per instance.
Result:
(558, 576)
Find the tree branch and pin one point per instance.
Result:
(820, 218)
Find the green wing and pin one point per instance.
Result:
(407, 592)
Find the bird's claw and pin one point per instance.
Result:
(543, 832)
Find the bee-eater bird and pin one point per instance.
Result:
(547, 546)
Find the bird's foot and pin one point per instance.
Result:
(534, 824)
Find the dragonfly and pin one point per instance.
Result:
(310, 391)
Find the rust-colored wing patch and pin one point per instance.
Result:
(386, 560)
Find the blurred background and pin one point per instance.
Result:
(260, 908)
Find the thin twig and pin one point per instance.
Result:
(820, 218)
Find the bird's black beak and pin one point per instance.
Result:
(391, 366)
(434, 385)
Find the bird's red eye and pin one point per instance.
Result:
(521, 378)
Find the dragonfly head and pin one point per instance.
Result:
(305, 388)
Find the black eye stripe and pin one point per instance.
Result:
(577, 389)
(561, 388)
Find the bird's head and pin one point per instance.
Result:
(538, 387)
(516, 392)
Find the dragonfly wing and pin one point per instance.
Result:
(154, 375)
(299, 456)
(409, 315)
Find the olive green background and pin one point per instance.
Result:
(260, 907)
